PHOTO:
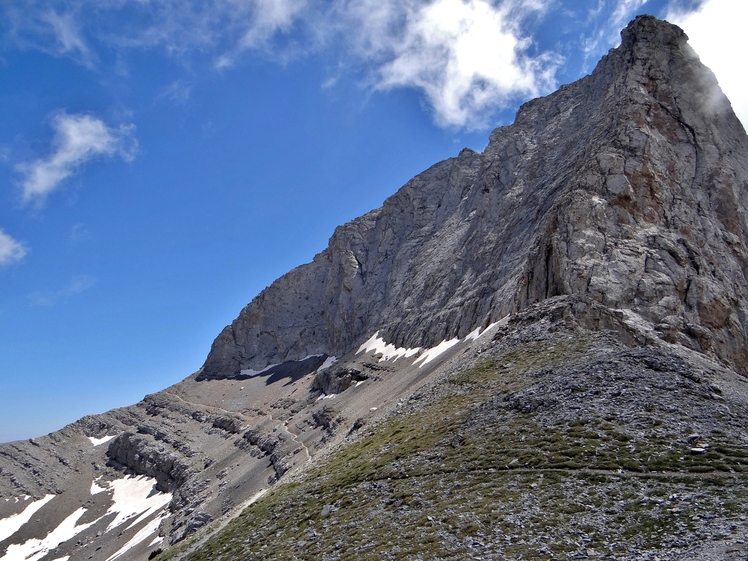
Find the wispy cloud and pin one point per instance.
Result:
(77, 284)
(41, 26)
(270, 17)
(178, 92)
(77, 140)
(716, 30)
(11, 251)
(607, 19)
(79, 233)
(68, 36)
(468, 57)
(623, 11)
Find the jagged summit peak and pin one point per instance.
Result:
(651, 31)
(617, 190)
(654, 60)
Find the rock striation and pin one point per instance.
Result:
(627, 189)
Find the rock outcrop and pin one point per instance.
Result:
(627, 189)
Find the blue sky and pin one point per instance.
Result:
(163, 161)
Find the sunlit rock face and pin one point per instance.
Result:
(626, 189)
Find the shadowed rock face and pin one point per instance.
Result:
(627, 189)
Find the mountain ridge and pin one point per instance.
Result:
(439, 258)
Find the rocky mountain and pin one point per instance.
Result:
(626, 188)
(538, 351)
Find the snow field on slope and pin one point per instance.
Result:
(379, 346)
(10, 525)
(133, 500)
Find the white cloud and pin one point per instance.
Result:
(468, 57)
(11, 250)
(177, 93)
(77, 284)
(79, 233)
(624, 9)
(259, 22)
(178, 26)
(54, 31)
(615, 15)
(716, 32)
(270, 17)
(68, 36)
(223, 28)
(78, 139)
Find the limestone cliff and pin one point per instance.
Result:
(627, 189)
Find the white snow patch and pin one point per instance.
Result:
(504, 320)
(102, 440)
(473, 335)
(329, 361)
(325, 396)
(358, 383)
(157, 540)
(477, 333)
(487, 329)
(95, 489)
(34, 549)
(10, 525)
(434, 352)
(134, 499)
(62, 558)
(143, 534)
(135, 496)
(387, 350)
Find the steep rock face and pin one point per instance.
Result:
(627, 188)
(653, 218)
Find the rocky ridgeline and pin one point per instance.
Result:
(626, 189)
